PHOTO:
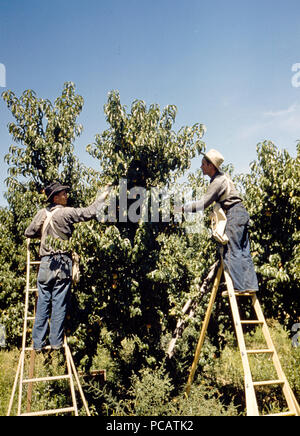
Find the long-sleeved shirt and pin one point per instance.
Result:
(62, 222)
(216, 189)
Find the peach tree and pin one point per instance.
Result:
(272, 197)
(135, 276)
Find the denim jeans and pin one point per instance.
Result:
(54, 284)
(236, 255)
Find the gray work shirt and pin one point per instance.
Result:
(216, 189)
(63, 222)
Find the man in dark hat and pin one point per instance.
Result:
(55, 272)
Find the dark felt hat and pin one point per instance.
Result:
(54, 188)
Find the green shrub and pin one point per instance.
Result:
(151, 394)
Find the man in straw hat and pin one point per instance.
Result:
(55, 272)
(236, 253)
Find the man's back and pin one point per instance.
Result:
(62, 222)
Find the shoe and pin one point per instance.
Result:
(247, 291)
(42, 349)
(57, 347)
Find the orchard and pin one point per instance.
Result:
(137, 276)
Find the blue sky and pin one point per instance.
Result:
(227, 64)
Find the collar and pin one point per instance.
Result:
(53, 206)
(218, 173)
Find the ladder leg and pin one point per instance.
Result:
(22, 358)
(14, 387)
(71, 378)
(31, 368)
(78, 381)
(24, 327)
(30, 385)
(204, 329)
(287, 391)
(251, 402)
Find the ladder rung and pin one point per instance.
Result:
(239, 294)
(30, 318)
(35, 262)
(269, 382)
(50, 412)
(32, 289)
(282, 414)
(47, 347)
(261, 351)
(57, 377)
(254, 321)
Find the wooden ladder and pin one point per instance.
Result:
(21, 379)
(250, 394)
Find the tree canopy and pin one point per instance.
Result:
(136, 276)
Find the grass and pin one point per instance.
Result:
(8, 366)
(218, 389)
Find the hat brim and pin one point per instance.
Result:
(216, 164)
(57, 190)
(206, 157)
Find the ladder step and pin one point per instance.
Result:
(269, 382)
(239, 294)
(254, 321)
(282, 414)
(35, 262)
(47, 347)
(32, 289)
(30, 318)
(261, 351)
(50, 412)
(57, 377)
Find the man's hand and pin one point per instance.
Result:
(178, 209)
(103, 194)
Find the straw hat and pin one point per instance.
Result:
(214, 157)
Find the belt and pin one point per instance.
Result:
(57, 254)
